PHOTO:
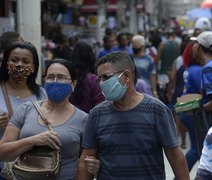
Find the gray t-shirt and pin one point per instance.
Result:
(130, 143)
(16, 102)
(71, 134)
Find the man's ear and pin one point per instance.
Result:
(127, 75)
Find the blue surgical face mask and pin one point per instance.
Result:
(57, 92)
(112, 89)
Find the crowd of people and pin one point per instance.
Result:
(113, 112)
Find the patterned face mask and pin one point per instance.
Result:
(19, 73)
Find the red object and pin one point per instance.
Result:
(206, 4)
(187, 55)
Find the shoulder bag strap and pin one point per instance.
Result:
(7, 100)
(37, 107)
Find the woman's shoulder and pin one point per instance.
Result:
(80, 112)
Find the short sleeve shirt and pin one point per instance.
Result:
(207, 81)
(16, 101)
(70, 133)
(129, 143)
(192, 79)
(145, 67)
(205, 165)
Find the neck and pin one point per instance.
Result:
(57, 106)
(131, 99)
(16, 85)
(171, 38)
(140, 54)
(207, 58)
(19, 90)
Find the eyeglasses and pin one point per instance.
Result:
(58, 78)
(105, 77)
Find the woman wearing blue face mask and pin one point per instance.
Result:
(67, 121)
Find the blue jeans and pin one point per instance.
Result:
(192, 155)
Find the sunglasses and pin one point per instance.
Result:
(105, 77)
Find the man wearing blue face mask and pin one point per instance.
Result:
(130, 130)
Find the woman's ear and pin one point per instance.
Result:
(73, 84)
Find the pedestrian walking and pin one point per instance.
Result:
(203, 50)
(26, 129)
(130, 130)
(87, 93)
(192, 85)
(144, 63)
(18, 81)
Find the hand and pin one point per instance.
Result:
(93, 164)
(48, 138)
(4, 119)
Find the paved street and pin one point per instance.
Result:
(169, 173)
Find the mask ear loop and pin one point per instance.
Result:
(120, 76)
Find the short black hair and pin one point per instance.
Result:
(121, 35)
(120, 60)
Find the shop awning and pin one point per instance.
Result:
(112, 5)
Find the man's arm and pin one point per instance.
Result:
(82, 171)
(153, 81)
(178, 163)
(160, 48)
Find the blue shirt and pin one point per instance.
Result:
(205, 164)
(104, 52)
(145, 67)
(192, 79)
(207, 81)
(126, 49)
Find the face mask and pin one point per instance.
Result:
(112, 89)
(19, 73)
(136, 50)
(57, 92)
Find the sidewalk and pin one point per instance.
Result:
(169, 173)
